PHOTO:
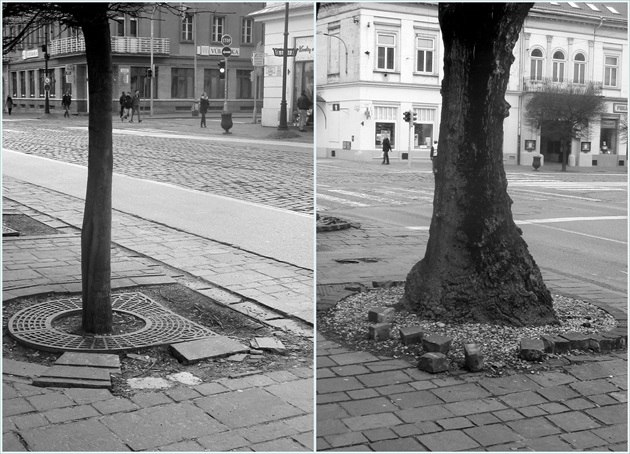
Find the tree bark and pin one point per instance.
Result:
(477, 267)
(97, 217)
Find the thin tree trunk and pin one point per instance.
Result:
(97, 218)
(477, 266)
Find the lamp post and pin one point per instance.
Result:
(283, 104)
(46, 81)
(342, 42)
(152, 68)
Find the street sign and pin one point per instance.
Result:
(226, 51)
(226, 40)
(258, 58)
(47, 80)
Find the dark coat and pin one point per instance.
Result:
(204, 105)
(303, 103)
(386, 145)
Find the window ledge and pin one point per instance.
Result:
(386, 71)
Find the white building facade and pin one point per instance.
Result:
(300, 67)
(376, 61)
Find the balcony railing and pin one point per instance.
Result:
(120, 45)
(536, 84)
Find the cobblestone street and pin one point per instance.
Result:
(174, 151)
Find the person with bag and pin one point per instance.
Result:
(65, 102)
(128, 104)
(303, 105)
(135, 106)
(386, 149)
(204, 104)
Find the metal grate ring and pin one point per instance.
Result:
(33, 326)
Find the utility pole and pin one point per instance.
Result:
(283, 104)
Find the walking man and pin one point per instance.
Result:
(65, 102)
(122, 105)
(433, 156)
(9, 104)
(135, 106)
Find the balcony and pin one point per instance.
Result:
(532, 85)
(120, 45)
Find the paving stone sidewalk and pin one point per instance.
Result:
(145, 252)
(370, 403)
(264, 412)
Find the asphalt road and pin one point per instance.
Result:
(575, 223)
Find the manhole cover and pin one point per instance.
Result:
(33, 326)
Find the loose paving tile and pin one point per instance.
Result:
(109, 361)
(211, 347)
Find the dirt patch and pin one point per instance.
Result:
(26, 225)
(158, 361)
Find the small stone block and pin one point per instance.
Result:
(618, 341)
(89, 359)
(600, 343)
(77, 373)
(211, 347)
(55, 382)
(411, 335)
(532, 349)
(578, 341)
(380, 314)
(473, 357)
(433, 363)
(237, 358)
(436, 343)
(270, 344)
(555, 344)
(379, 331)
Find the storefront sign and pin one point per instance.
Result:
(31, 53)
(305, 48)
(273, 70)
(585, 147)
(216, 50)
(609, 124)
(620, 108)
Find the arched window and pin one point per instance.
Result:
(536, 64)
(558, 66)
(579, 68)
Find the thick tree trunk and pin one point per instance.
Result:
(477, 266)
(97, 218)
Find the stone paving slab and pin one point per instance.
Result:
(21, 368)
(212, 347)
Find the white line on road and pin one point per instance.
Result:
(368, 196)
(555, 195)
(582, 234)
(340, 200)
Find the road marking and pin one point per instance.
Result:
(340, 200)
(555, 194)
(573, 219)
(582, 234)
(361, 195)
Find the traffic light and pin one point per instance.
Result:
(407, 116)
(415, 117)
(222, 69)
(149, 72)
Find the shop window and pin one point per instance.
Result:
(386, 50)
(385, 129)
(187, 27)
(247, 31)
(423, 127)
(23, 84)
(218, 28)
(14, 83)
(610, 71)
(608, 136)
(212, 85)
(536, 65)
(558, 66)
(424, 54)
(182, 83)
(579, 68)
(243, 84)
(140, 81)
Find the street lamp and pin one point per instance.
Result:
(283, 104)
(152, 68)
(46, 81)
(342, 42)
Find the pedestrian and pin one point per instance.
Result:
(204, 104)
(386, 149)
(135, 106)
(433, 156)
(66, 100)
(9, 104)
(128, 104)
(122, 105)
(303, 105)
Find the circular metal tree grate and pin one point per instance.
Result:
(33, 326)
